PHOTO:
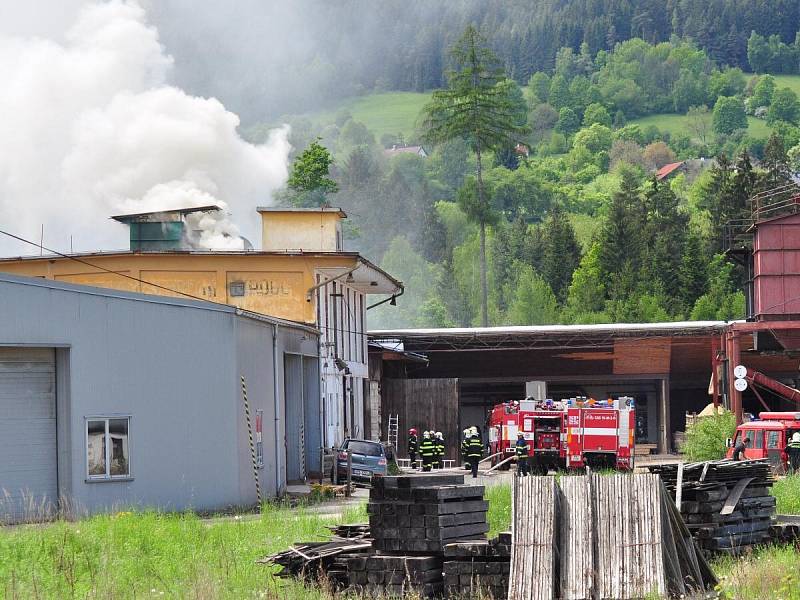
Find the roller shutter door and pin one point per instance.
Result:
(28, 467)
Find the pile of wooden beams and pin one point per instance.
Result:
(313, 561)
(726, 504)
(424, 513)
(395, 576)
(616, 536)
(478, 569)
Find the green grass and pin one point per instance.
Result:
(678, 124)
(781, 81)
(772, 572)
(787, 492)
(389, 112)
(156, 555)
(499, 515)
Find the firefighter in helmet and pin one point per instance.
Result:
(522, 451)
(474, 451)
(438, 443)
(413, 447)
(426, 451)
(793, 450)
(465, 447)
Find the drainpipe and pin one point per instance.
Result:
(276, 397)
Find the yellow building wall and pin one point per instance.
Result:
(310, 231)
(273, 285)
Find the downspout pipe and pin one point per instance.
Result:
(390, 298)
(276, 400)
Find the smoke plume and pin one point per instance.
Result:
(90, 127)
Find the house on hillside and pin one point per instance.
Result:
(522, 149)
(395, 150)
(670, 170)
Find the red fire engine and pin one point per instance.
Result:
(568, 434)
(769, 435)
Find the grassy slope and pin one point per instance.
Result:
(677, 124)
(390, 112)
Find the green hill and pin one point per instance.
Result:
(389, 112)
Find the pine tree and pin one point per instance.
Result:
(776, 163)
(620, 237)
(561, 252)
(476, 106)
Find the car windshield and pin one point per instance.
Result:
(365, 448)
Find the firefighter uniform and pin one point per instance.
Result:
(793, 450)
(413, 447)
(522, 451)
(426, 451)
(465, 448)
(474, 452)
(438, 444)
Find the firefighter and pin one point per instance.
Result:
(438, 443)
(413, 447)
(793, 450)
(738, 449)
(523, 468)
(465, 447)
(474, 451)
(426, 451)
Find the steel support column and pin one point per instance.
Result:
(664, 442)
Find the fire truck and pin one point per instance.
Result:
(568, 434)
(769, 435)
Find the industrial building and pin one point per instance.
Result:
(448, 379)
(301, 273)
(113, 399)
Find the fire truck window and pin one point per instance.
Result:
(772, 440)
(756, 439)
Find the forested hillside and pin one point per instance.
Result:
(580, 230)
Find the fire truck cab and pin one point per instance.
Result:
(569, 434)
(769, 435)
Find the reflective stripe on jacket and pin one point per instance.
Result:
(522, 448)
(413, 443)
(474, 448)
(426, 448)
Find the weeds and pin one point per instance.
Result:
(787, 492)
(772, 572)
(705, 440)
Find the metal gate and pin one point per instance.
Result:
(28, 458)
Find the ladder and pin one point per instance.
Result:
(393, 430)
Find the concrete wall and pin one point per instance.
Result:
(174, 367)
(301, 230)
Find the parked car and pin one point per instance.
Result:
(368, 458)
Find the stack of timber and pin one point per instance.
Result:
(786, 530)
(312, 561)
(478, 569)
(395, 576)
(417, 514)
(726, 504)
(617, 536)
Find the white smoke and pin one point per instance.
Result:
(89, 128)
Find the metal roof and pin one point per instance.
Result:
(181, 211)
(151, 299)
(322, 209)
(536, 336)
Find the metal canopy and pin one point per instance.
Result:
(547, 337)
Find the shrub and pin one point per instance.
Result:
(705, 440)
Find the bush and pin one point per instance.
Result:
(705, 440)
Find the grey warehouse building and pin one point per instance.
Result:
(111, 400)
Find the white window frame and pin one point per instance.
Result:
(107, 476)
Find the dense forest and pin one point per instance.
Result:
(580, 231)
(289, 58)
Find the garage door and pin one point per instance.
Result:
(28, 476)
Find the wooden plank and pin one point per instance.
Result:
(733, 497)
(534, 549)
(576, 545)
